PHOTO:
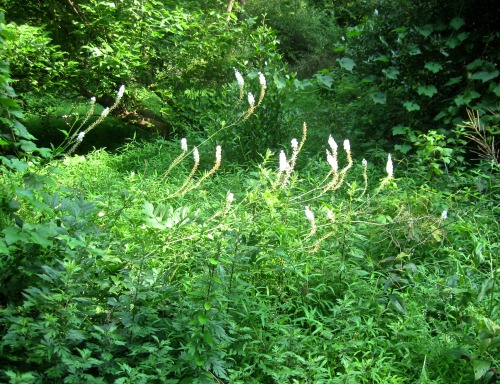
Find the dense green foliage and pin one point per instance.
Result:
(157, 264)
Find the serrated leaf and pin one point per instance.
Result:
(485, 76)
(346, 63)
(427, 90)
(411, 106)
(466, 98)
(379, 97)
(433, 66)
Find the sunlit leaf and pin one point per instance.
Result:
(411, 106)
(347, 64)
(433, 66)
(480, 367)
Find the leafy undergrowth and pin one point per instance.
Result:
(121, 269)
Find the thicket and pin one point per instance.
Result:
(220, 260)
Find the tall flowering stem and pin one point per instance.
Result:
(310, 218)
(218, 159)
(178, 159)
(76, 140)
(183, 188)
(390, 174)
(296, 148)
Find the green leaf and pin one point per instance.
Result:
(426, 30)
(202, 318)
(379, 97)
(466, 98)
(485, 76)
(480, 368)
(399, 130)
(347, 64)
(403, 148)
(369, 79)
(495, 88)
(457, 23)
(427, 90)
(3, 247)
(411, 106)
(476, 63)
(453, 81)
(207, 306)
(391, 73)
(414, 50)
(433, 66)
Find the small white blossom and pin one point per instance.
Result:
(347, 145)
(375, 12)
(196, 155)
(262, 80)
(184, 145)
(105, 112)
(80, 137)
(251, 99)
(239, 78)
(309, 215)
(92, 99)
(332, 161)
(101, 214)
(365, 163)
(295, 144)
(284, 166)
(332, 143)
(389, 168)
(65, 117)
(444, 214)
(121, 91)
(218, 154)
(330, 215)
(230, 197)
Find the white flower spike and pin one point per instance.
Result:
(251, 99)
(239, 78)
(184, 145)
(262, 80)
(389, 168)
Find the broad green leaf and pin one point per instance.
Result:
(379, 97)
(414, 50)
(457, 23)
(3, 247)
(347, 64)
(466, 98)
(480, 368)
(427, 90)
(485, 76)
(433, 66)
(495, 88)
(476, 63)
(369, 79)
(391, 73)
(453, 80)
(452, 42)
(426, 30)
(411, 106)
(399, 130)
(403, 148)
(202, 318)
(382, 58)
